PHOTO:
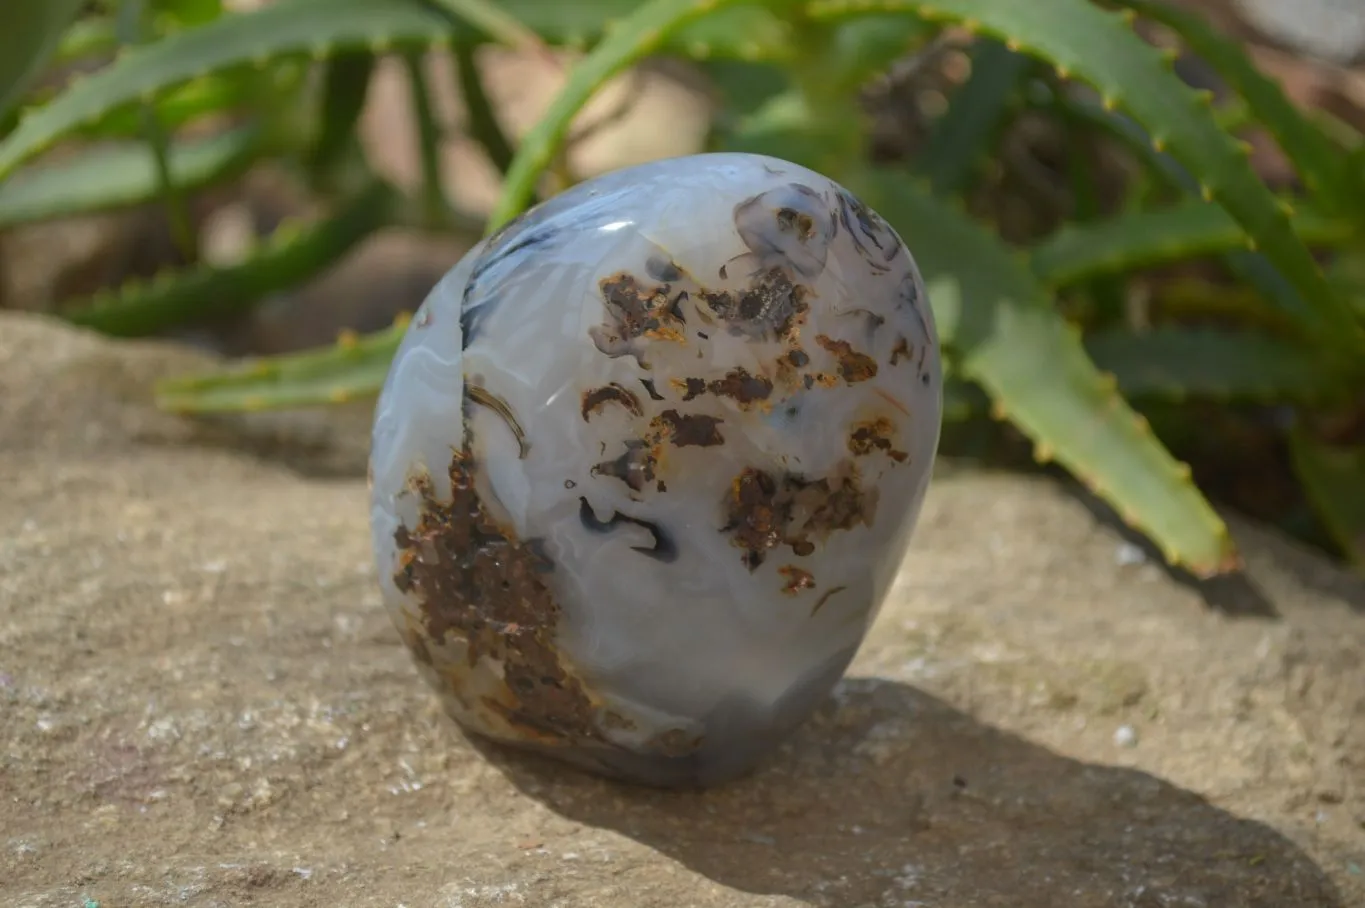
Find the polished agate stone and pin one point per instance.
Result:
(648, 459)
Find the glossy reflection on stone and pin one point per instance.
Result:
(647, 461)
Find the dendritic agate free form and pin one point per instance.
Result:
(647, 461)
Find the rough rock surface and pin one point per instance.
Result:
(203, 703)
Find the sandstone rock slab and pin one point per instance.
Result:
(204, 704)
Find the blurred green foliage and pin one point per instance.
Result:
(1040, 328)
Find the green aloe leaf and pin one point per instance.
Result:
(495, 21)
(322, 28)
(88, 37)
(998, 324)
(1250, 268)
(976, 112)
(741, 89)
(172, 14)
(747, 32)
(1128, 242)
(222, 91)
(30, 33)
(131, 29)
(1321, 164)
(481, 121)
(1126, 132)
(353, 369)
(1333, 477)
(434, 203)
(103, 178)
(1347, 274)
(641, 33)
(786, 126)
(289, 258)
(864, 48)
(1100, 48)
(1198, 362)
(345, 85)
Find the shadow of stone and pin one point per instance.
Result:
(322, 443)
(1238, 594)
(1235, 594)
(1306, 567)
(890, 797)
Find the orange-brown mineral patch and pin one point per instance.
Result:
(474, 579)
(763, 512)
(642, 460)
(745, 389)
(854, 367)
(875, 435)
(596, 399)
(688, 430)
(797, 579)
(901, 350)
(772, 306)
(639, 312)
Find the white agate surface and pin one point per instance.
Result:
(727, 379)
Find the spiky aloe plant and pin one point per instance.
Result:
(1019, 322)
